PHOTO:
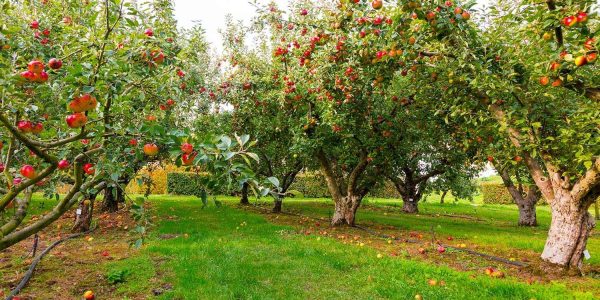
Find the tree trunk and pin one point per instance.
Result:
(278, 203)
(83, 215)
(527, 214)
(410, 206)
(112, 197)
(244, 199)
(345, 210)
(569, 231)
(597, 210)
(443, 197)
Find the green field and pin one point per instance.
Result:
(230, 253)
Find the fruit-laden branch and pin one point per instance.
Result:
(25, 140)
(537, 173)
(72, 197)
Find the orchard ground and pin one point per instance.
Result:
(247, 253)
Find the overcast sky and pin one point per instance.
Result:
(211, 14)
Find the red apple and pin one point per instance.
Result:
(25, 126)
(377, 4)
(591, 57)
(581, 61)
(37, 128)
(2, 167)
(187, 148)
(89, 169)
(149, 32)
(151, 149)
(28, 75)
(304, 12)
(581, 17)
(441, 249)
(35, 66)
(170, 102)
(28, 171)
(63, 164)
(34, 24)
(55, 63)
(188, 159)
(76, 120)
(569, 21)
(544, 80)
(40, 77)
(67, 20)
(589, 44)
(466, 15)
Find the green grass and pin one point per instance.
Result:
(222, 259)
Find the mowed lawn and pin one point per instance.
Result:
(228, 253)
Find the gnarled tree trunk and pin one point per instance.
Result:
(112, 197)
(410, 205)
(278, 203)
(83, 214)
(345, 210)
(443, 197)
(569, 231)
(525, 202)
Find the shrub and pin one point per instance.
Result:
(312, 185)
(187, 184)
(494, 193)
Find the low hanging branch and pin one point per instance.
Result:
(38, 259)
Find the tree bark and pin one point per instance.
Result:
(112, 197)
(244, 199)
(597, 209)
(443, 197)
(569, 231)
(278, 203)
(525, 203)
(410, 207)
(345, 210)
(83, 215)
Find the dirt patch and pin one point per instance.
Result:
(72, 267)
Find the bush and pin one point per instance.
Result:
(494, 193)
(186, 184)
(312, 185)
(159, 180)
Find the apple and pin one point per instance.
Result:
(554, 66)
(28, 171)
(422, 250)
(63, 164)
(150, 118)
(544, 80)
(304, 12)
(76, 120)
(27, 75)
(490, 158)
(441, 249)
(25, 126)
(581, 17)
(547, 36)
(187, 148)
(40, 77)
(34, 24)
(83, 103)
(466, 15)
(55, 63)
(591, 58)
(569, 21)
(37, 128)
(88, 295)
(581, 61)
(67, 20)
(377, 4)
(247, 86)
(149, 32)
(157, 56)
(89, 169)
(151, 149)
(518, 158)
(46, 32)
(35, 66)
(17, 181)
(589, 44)
(430, 15)
(449, 3)
(418, 297)
(2, 167)
(458, 11)
(188, 159)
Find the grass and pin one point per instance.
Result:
(234, 254)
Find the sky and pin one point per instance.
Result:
(211, 14)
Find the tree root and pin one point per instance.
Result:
(38, 259)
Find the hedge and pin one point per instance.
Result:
(496, 193)
(312, 185)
